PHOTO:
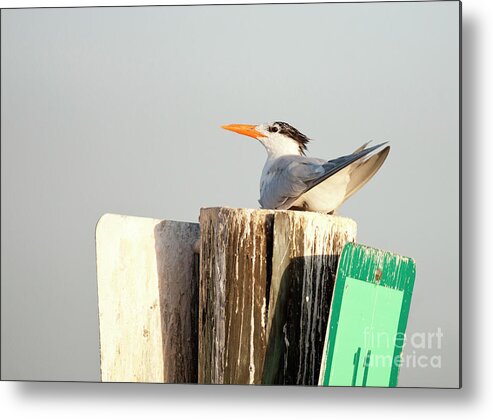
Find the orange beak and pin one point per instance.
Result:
(247, 130)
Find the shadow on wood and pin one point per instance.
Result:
(177, 269)
(299, 321)
(307, 247)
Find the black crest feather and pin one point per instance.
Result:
(289, 131)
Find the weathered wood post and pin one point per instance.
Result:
(307, 247)
(235, 258)
(147, 297)
(265, 286)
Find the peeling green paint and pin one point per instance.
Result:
(368, 318)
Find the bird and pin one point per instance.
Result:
(291, 180)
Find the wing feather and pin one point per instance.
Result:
(364, 171)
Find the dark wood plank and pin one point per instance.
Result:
(306, 251)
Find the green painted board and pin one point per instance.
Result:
(368, 318)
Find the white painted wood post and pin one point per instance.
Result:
(147, 296)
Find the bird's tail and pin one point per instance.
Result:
(363, 170)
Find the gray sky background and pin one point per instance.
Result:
(118, 110)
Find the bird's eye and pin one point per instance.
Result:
(273, 129)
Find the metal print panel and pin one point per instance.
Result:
(274, 134)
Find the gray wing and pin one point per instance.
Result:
(288, 178)
(292, 176)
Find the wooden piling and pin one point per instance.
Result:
(148, 299)
(266, 279)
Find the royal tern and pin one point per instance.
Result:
(291, 180)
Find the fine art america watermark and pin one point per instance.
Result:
(422, 349)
